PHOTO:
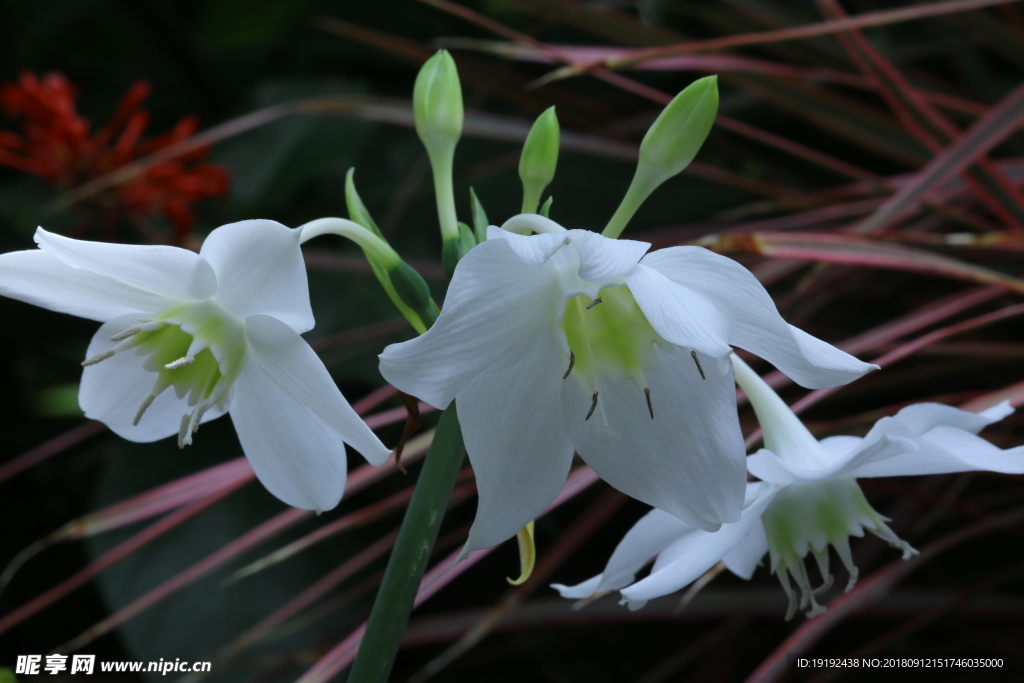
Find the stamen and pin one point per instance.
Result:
(572, 362)
(146, 403)
(693, 355)
(822, 559)
(184, 433)
(783, 575)
(650, 408)
(592, 406)
(594, 303)
(842, 546)
(180, 363)
(99, 357)
(130, 332)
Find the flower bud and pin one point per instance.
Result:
(437, 102)
(540, 155)
(678, 133)
(669, 146)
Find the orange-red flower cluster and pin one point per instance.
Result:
(55, 143)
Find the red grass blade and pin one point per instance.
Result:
(851, 250)
(978, 140)
(49, 449)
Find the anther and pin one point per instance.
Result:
(180, 363)
(130, 332)
(594, 303)
(146, 403)
(693, 355)
(592, 407)
(98, 358)
(572, 362)
(650, 408)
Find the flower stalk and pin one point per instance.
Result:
(408, 561)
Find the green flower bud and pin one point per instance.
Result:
(669, 146)
(678, 133)
(539, 158)
(437, 101)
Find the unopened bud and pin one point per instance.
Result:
(539, 158)
(678, 133)
(437, 101)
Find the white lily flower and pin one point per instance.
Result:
(808, 499)
(221, 329)
(569, 340)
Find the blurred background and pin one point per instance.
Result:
(871, 179)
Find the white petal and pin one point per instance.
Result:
(603, 259)
(744, 559)
(113, 390)
(648, 537)
(166, 271)
(688, 460)
(260, 269)
(680, 314)
(295, 454)
(534, 250)
(756, 323)
(686, 559)
(525, 223)
(944, 450)
(42, 279)
(768, 466)
(496, 308)
(294, 368)
(580, 590)
(921, 417)
(511, 423)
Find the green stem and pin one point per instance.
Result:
(444, 191)
(408, 561)
(645, 181)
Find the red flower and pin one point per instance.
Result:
(55, 144)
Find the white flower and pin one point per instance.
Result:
(568, 339)
(808, 499)
(187, 337)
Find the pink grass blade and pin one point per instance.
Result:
(116, 554)
(47, 450)
(926, 123)
(985, 134)
(870, 19)
(858, 251)
(268, 529)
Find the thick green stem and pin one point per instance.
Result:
(408, 561)
(645, 181)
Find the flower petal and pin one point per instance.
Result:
(165, 271)
(295, 454)
(944, 450)
(602, 259)
(680, 314)
(921, 417)
(654, 532)
(688, 460)
(697, 551)
(496, 308)
(294, 369)
(516, 444)
(744, 559)
(260, 270)
(767, 466)
(756, 323)
(41, 279)
(534, 250)
(113, 390)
